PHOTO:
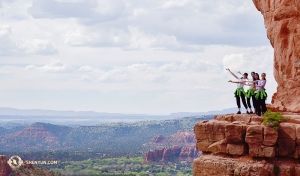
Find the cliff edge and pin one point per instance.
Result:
(239, 144)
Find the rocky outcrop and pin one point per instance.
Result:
(212, 165)
(157, 139)
(282, 21)
(181, 137)
(178, 146)
(236, 134)
(228, 139)
(171, 154)
(5, 169)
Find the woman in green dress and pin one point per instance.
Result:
(240, 92)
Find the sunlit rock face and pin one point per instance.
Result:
(239, 144)
(282, 21)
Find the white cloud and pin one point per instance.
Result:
(139, 11)
(85, 78)
(141, 40)
(5, 31)
(259, 60)
(114, 75)
(101, 38)
(7, 45)
(88, 11)
(140, 67)
(54, 67)
(38, 46)
(205, 88)
(187, 65)
(175, 3)
(86, 68)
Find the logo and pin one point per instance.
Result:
(15, 162)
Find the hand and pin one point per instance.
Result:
(239, 72)
(227, 69)
(230, 81)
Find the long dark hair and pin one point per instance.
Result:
(257, 77)
(265, 76)
(253, 77)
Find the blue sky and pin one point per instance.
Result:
(128, 56)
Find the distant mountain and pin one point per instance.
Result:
(40, 112)
(18, 117)
(38, 136)
(188, 114)
(113, 137)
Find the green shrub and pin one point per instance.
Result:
(273, 119)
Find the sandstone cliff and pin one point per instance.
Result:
(178, 146)
(282, 21)
(173, 153)
(239, 144)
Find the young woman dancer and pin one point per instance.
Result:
(251, 92)
(240, 93)
(261, 95)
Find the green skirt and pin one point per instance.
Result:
(261, 94)
(239, 91)
(250, 92)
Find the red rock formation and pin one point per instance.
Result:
(171, 153)
(5, 169)
(178, 146)
(189, 153)
(282, 21)
(211, 165)
(247, 141)
(157, 139)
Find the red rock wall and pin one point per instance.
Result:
(211, 165)
(172, 153)
(241, 135)
(240, 144)
(282, 21)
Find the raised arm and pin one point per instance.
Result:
(232, 73)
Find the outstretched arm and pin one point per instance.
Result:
(238, 82)
(232, 73)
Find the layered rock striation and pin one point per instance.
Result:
(237, 143)
(282, 21)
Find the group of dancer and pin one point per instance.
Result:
(256, 92)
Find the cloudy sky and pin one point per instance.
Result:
(129, 56)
